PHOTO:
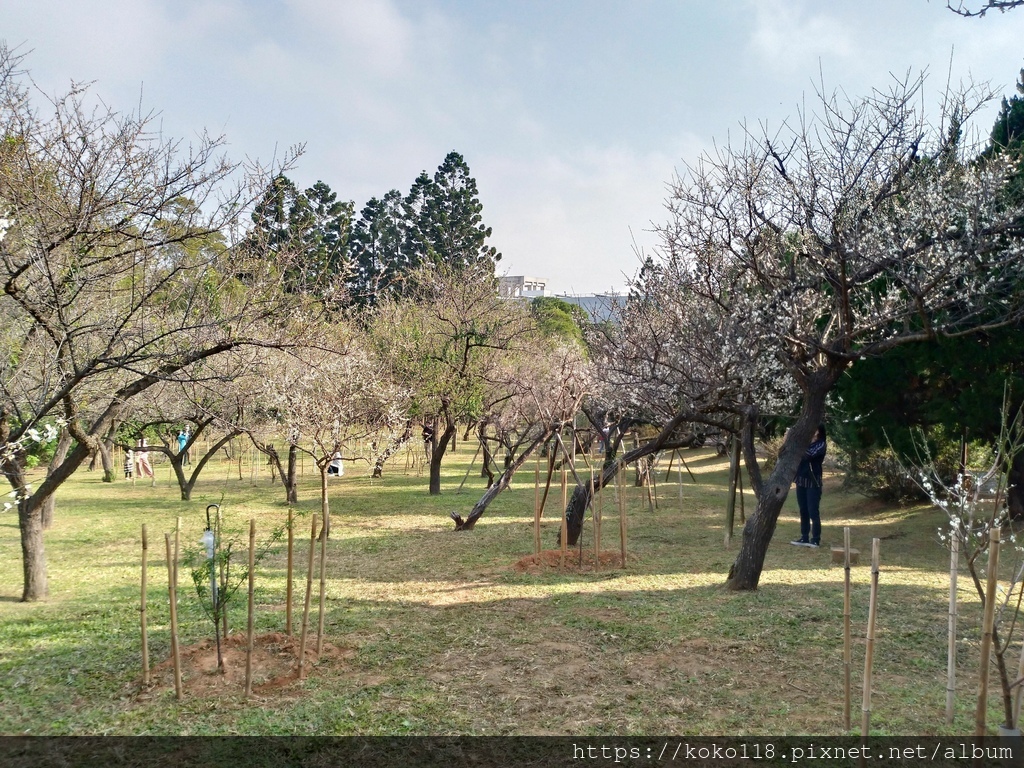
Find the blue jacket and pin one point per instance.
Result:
(808, 474)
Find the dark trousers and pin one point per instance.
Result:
(809, 500)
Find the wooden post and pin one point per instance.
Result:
(954, 563)
(987, 624)
(173, 595)
(680, 488)
(142, 611)
(597, 523)
(288, 587)
(323, 583)
(730, 503)
(870, 652)
(309, 593)
(622, 515)
(847, 639)
(252, 592)
(565, 527)
(177, 541)
(652, 499)
(536, 507)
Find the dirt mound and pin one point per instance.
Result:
(551, 559)
(275, 666)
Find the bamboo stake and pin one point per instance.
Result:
(323, 583)
(739, 478)
(465, 477)
(536, 507)
(597, 524)
(870, 652)
(145, 633)
(565, 527)
(309, 593)
(730, 504)
(1017, 694)
(987, 624)
(653, 500)
(680, 471)
(177, 550)
(622, 515)
(173, 595)
(288, 587)
(847, 639)
(249, 628)
(954, 562)
(599, 510)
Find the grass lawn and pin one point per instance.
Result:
(429, 631)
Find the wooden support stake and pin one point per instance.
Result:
(870, 652)
(252, 593)
(954, 568)
(847, 638)
(142, 611)
(730, 503)
(323, 583)
(177, 550)
(309, 594)
(680, 487)
(622, 514)
(288, 583)
(565, 527)
(536, 507)
(173, 595)
(597, 523)
(652, 498)
(987, 625)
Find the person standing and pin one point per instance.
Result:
(183, 438)
(808, 491)
(142, 458)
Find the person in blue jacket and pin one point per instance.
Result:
(808, 491)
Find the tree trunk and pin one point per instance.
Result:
(391, 450)
(59, 454)
(107, 460)
(291, 481)
(488, 460)
(33, 553)
(503, 482)
(575, 510)
(745, 573)
(437, 454)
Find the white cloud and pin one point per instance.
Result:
(789, 39)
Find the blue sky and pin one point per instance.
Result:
(572, 114)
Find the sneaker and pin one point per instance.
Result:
(800, 543)
(812, 544)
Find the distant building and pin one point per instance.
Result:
(600, 307)
(521, 287)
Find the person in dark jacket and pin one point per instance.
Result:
(808, 491)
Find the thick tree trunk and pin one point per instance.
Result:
(745, 573)
(33, 553)
(107, 461)
(437, 454)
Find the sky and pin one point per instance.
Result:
(573, 115)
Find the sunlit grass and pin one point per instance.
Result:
(447, 637)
